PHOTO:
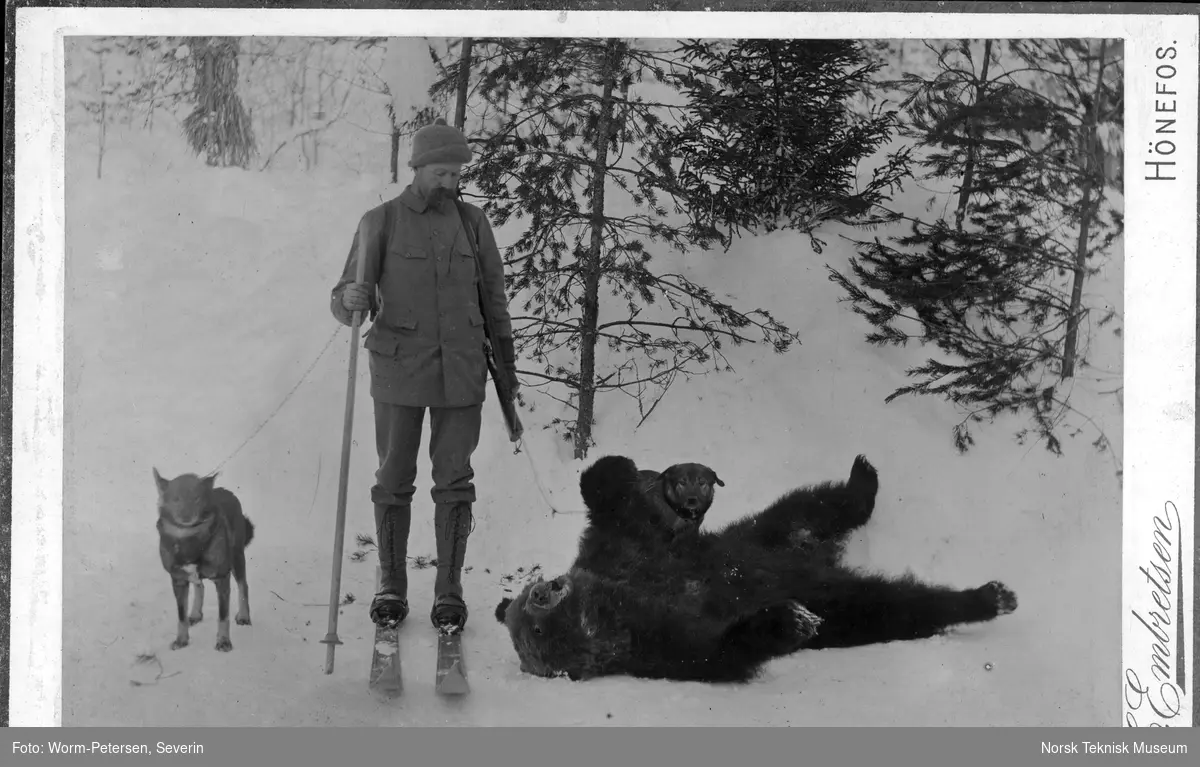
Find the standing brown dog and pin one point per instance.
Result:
(682, 494)
(202, 533)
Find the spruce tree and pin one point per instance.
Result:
(1086, 81)
(565, 143)
(218, 127)
(773, 134)
(988, 281)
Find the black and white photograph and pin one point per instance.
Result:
(487, 369)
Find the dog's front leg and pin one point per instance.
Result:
(197, 614)
(224, 644)
(179, 583)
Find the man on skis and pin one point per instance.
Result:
(422, 290)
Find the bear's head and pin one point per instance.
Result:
(540, 624)
(571, 626)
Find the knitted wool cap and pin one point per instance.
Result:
(439, 143)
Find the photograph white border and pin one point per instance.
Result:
(1160, 274)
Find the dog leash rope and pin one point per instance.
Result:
(537, 481)
(522, 447)
(274, 413)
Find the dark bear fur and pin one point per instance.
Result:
(815, 520)
(646, 600)
(583, 626)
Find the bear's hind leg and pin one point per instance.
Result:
(861, 611)
(833, 511)
(808, 518)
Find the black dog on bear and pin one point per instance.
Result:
(680, 495)
(640, 603)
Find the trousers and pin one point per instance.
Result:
(454, 435)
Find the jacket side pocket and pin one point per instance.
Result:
(385, 341)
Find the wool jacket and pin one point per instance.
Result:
(427, 336)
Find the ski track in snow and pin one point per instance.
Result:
(198, 297)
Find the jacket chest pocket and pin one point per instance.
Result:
(408, 273)
(407, 257)
(462, 262)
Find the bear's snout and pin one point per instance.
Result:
(545, 595)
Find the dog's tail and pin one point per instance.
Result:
(249, 530)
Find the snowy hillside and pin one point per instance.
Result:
(197, 299)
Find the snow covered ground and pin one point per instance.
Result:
(196, 301)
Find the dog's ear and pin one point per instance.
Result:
(715, 478)
(502, 608)
(159, 481)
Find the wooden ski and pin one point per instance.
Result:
(451, 672)
(386, 681)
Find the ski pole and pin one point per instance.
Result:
(339, 532)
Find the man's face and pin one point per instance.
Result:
(437, 182)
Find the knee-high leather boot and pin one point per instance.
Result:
(452, 523)
(392, 525)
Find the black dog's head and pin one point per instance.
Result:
(689, 488)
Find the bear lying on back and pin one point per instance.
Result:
(582, 625)
(649, 601)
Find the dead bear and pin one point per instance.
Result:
(706, 606)
(581, 625)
